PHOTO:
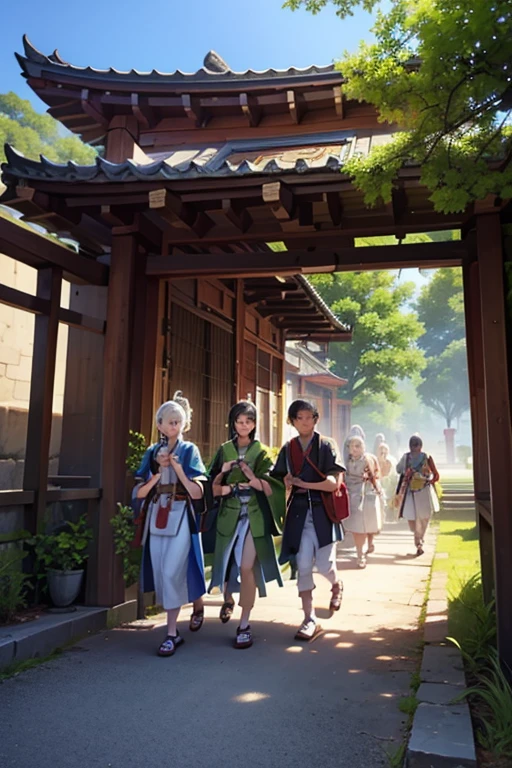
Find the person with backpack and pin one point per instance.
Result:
(310, 468)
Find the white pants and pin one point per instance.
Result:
(311, 555)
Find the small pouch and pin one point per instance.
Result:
(162, 516)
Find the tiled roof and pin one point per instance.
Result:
(320, 303)
(305, 154)
(214, 71)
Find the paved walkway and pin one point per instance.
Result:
(111, 702)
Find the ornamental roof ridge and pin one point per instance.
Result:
(214, 68)
(218, 165)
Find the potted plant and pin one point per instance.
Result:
(62, 554)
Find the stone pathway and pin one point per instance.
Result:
(111, 702)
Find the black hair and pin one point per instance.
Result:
(242, 408)
(415, 440)
(302, 405)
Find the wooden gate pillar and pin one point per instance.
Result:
(106, 585)
(37, 452)
(499, 430)
(473, 310)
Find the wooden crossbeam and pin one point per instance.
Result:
(25, 245)
(237, 214)
(334, 206)
(173, 210)
(143, 115)
(296, 106)
(89, 107)
(426, 255)
(338, 100)
(250, 109)
(279, 198)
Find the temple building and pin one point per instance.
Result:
(215, 195)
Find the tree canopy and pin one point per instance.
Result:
(440, 71)
(445, 387)
(36, 134)
(383, 348)
(440, 307)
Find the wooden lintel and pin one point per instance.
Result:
(334, 206)
(279, 198)
(250, 109)
(237, 215)
(426, 255)
(296, 106)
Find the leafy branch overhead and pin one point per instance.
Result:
(440, 72)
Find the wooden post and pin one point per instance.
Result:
(37, 453)
(140, 338)
(152, 333)
(473, 311)
(239, 339)
(106, 583)
(499, 432)
(122, 138)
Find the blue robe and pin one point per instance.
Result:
(193, 466)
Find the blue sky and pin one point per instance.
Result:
(172, 34)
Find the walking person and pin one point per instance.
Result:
(416, 492)
(388, 481)
(251, 512)
(172, 559)
(355, 431)
(365, 498)
(310, 468)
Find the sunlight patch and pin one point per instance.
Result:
(344, 645)
(250, 696)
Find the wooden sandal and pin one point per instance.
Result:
(226, 612)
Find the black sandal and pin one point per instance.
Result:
(196, 620)
(226, 612)
(169, 645)
(243, 637)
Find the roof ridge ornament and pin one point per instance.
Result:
(215, 63)
(32, 53)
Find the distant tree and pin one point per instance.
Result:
(445, 385)
(36, 134)
(441, 71)
(440, 308)
(384, 336)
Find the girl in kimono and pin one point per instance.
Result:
(418, 473)
(172, 559)
(310, 469)
(365, 498)
(250, 514)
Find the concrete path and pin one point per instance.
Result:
(111, 702)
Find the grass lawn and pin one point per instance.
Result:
(458, 537)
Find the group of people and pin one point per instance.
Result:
(236, 508)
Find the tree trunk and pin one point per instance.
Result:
(449, 439)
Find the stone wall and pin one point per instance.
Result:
(16, 349)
